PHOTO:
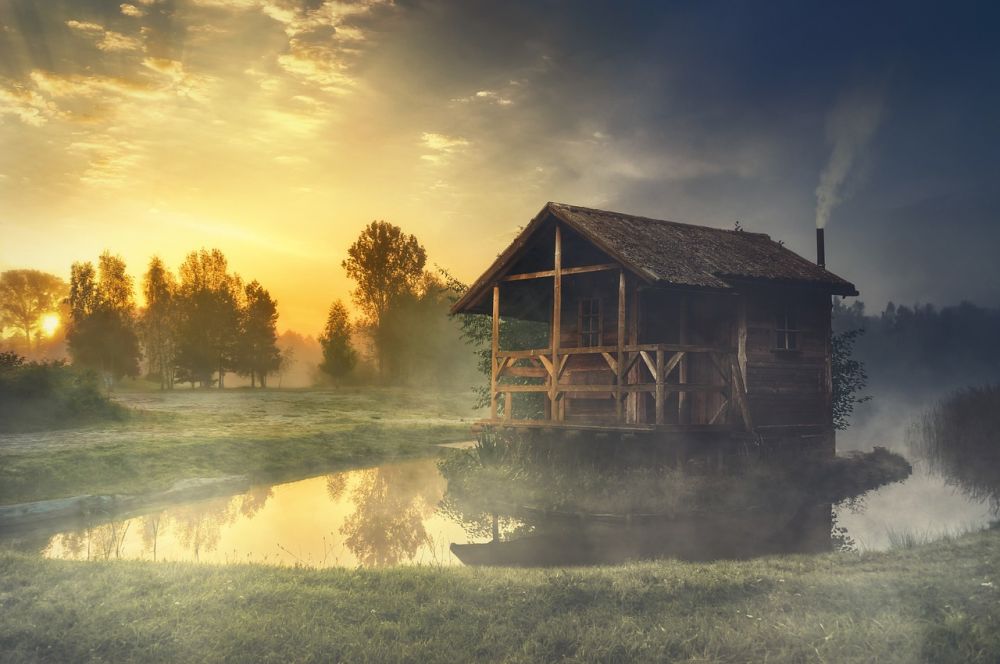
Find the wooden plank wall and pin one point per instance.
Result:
(788, 387)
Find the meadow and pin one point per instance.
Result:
(267, 435)
(933, 603)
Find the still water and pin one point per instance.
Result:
(372, 517)
(392, 515)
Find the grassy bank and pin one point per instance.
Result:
(934, 603)
(264, 434)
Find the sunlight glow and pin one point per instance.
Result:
(49, 324)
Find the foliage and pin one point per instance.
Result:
(386, 264)
(849, 377)
(417, 338)
(102, 329)
(514, 334)
(339, 358)
(158, 322)
(258, 354)
(45, 395)
(25, 296)
(208, 318)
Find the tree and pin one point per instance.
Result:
(258, 350)
(26, 296)
(208, 317)
(102, 331)
(339, 357)
(386, 263)
(849, 377)
(158, 322)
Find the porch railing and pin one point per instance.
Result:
(626, 364)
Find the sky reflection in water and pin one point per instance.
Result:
(389, 515)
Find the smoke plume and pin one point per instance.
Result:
(849, 129)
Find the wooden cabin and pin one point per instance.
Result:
(643, 325)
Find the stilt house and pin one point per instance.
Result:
(658, 326)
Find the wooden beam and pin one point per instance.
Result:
(632, 414)
(556, 319)
(682, 377)
(648, 361)
(660, 392)
(619, 368)
(612, 362)
(495, 351)
(672, 363)
(741, 333)
(740, 394)
(542, 274)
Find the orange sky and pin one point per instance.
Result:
(269, 133)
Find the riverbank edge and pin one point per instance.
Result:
(935, 602)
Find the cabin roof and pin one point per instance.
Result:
(669, 253)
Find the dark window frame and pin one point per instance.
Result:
(590, 322)
(787, 332)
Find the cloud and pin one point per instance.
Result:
(489, 96)
(26, 105)
(108, 41)
(183, 82)
(111, 161)
(131, 10)
(443, 146)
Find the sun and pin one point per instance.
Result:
(49, 324)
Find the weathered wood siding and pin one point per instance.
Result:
(788, 387)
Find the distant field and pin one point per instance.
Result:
(933, 603)
(186, 433)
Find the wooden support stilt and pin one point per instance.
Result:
(660, 388)
(494, 367)
(620, 366)
(557, 410)
(682, 397)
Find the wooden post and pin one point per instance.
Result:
(556, 323)
(660, 388)
(682, 370)
(495, 351)
(741, 335)
(632, 414)
(619, 372)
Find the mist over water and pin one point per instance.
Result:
(928, 505)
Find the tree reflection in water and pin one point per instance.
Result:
(391, 503)
(197, 527)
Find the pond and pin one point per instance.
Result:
(395, 514)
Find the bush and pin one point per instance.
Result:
(46, 395)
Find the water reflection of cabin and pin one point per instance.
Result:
(658, 326)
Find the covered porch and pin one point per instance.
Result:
(652, 377)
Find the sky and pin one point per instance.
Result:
(276, 130)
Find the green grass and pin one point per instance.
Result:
(264, 434)
(934, 603)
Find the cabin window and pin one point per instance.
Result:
(786, 331)
(590, 321)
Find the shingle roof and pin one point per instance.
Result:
(672, 253)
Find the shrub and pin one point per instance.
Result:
(44, 395)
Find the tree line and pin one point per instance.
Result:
(196, 327)
(923, 348)
(204, 322)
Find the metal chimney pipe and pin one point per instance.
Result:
(820, 248)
